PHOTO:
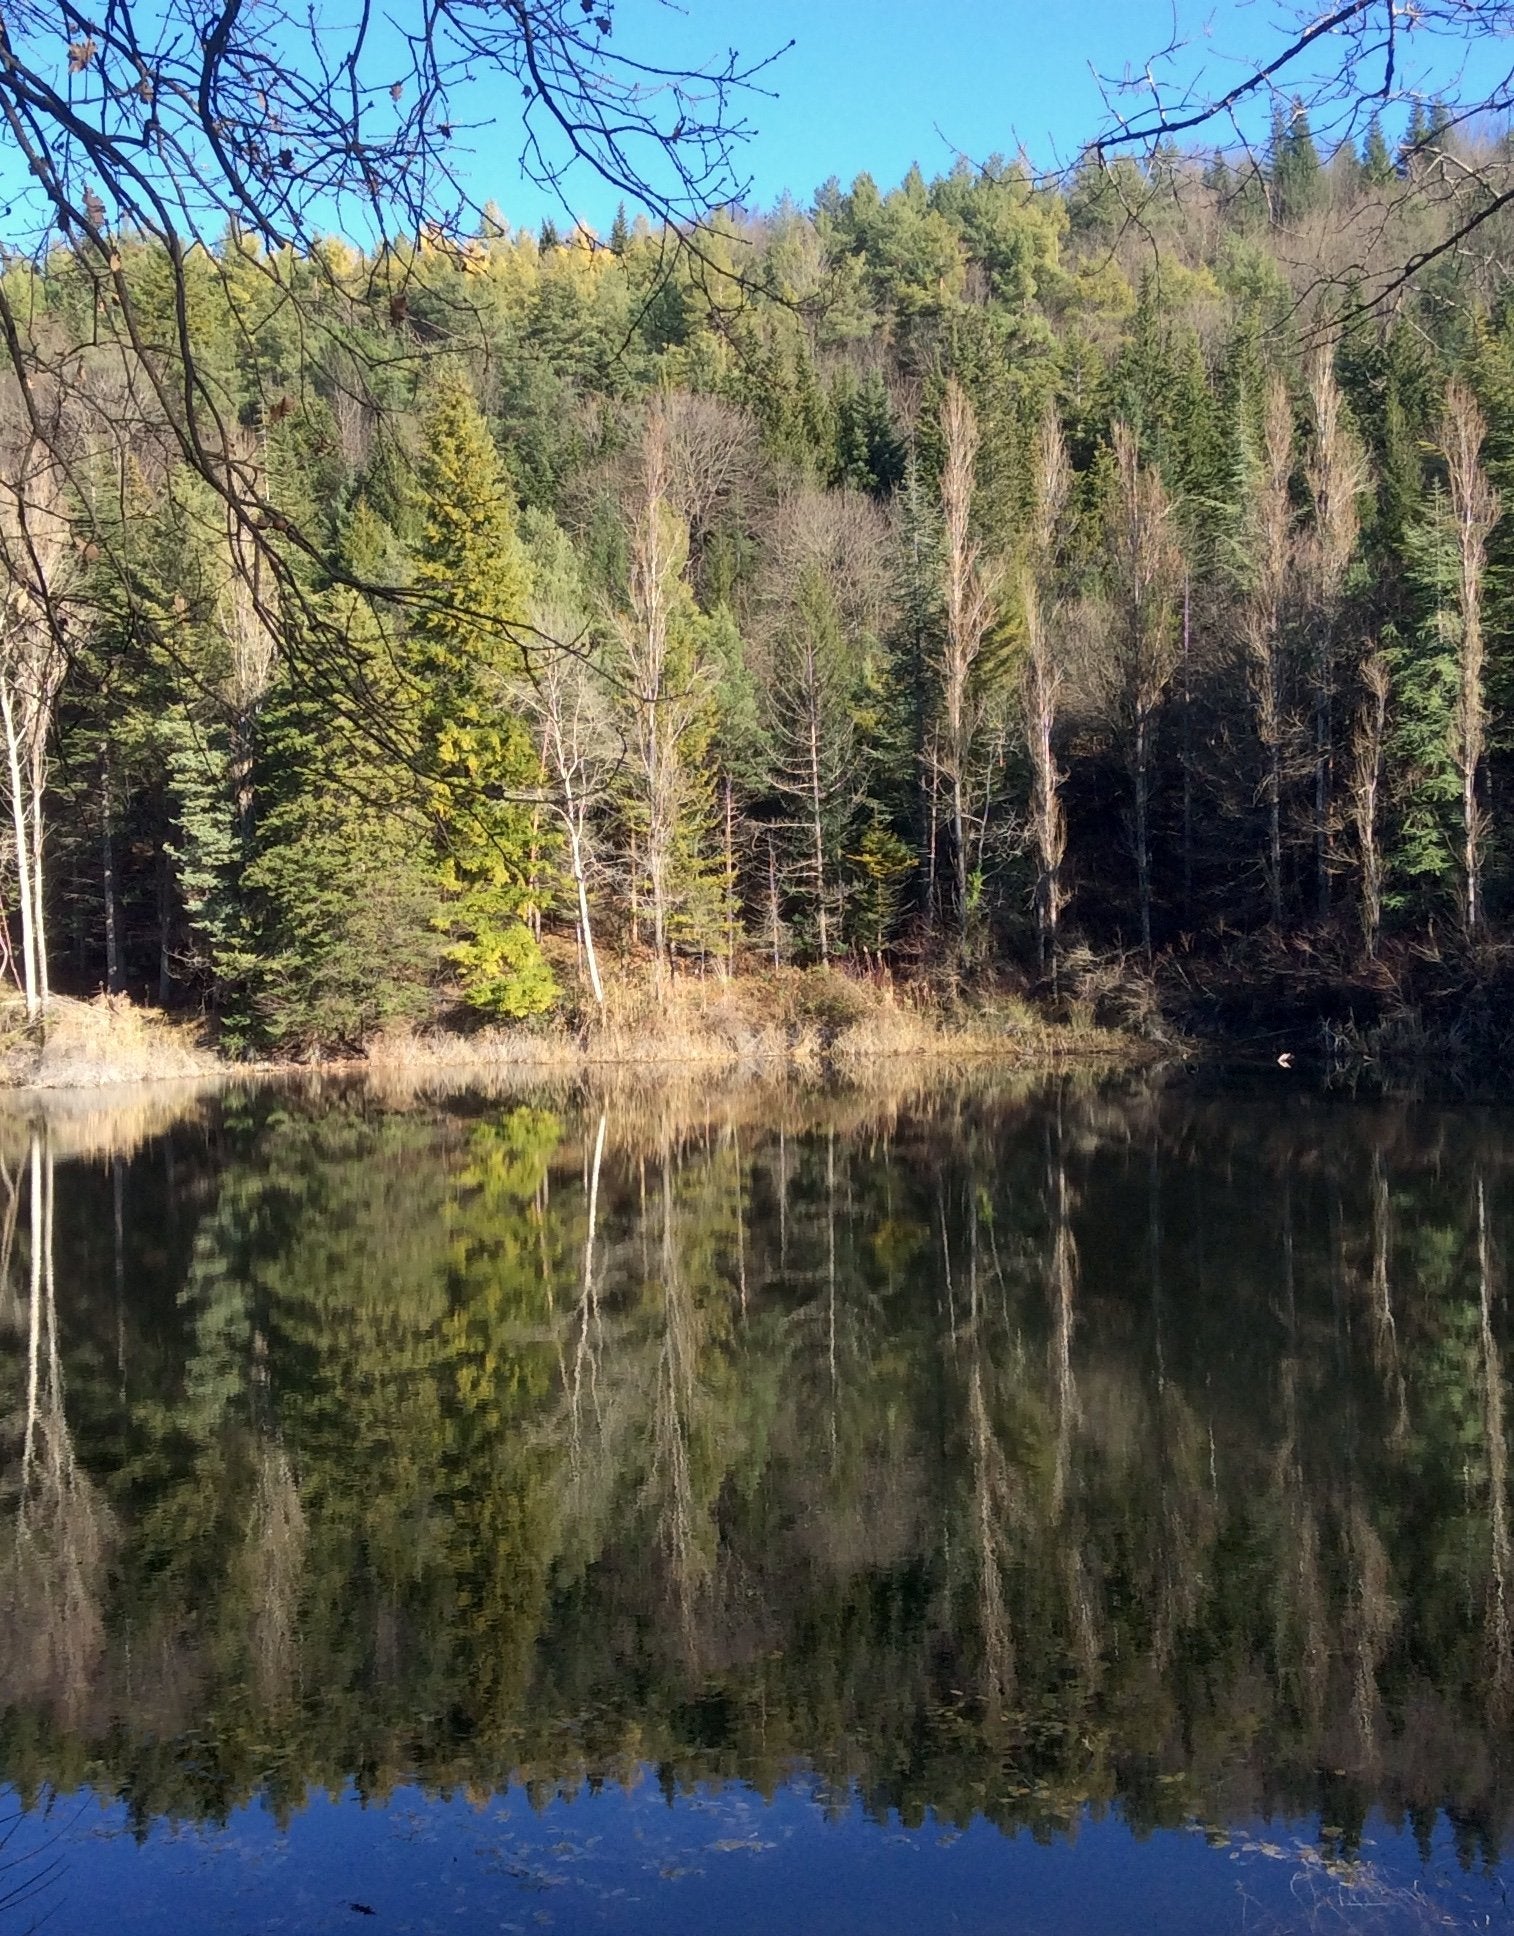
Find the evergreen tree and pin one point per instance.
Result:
(811, 704)
(472, 590)
(344, 886)
(1295, 165)
(1411, 150)
(869, 449)
(1377, 162)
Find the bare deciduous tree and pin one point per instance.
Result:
(820, 611)
(661, 693)
(1336, 475)
(1272, 562)
(579, 752)
(1146, 563)
(714, 459)
(1041, 682)
(1475, 510)
(1368, 743)
(971, 607)
(36, 557)
(849, 539)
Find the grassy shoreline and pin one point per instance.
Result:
(808, 1022)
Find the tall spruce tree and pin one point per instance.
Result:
(344, 887)
(466, 652)
(1377, 160)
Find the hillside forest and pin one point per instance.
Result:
(992, 581)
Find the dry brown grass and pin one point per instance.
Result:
(801, 1020)
(787, 1021)
(85, 1045)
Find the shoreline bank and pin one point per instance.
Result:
(801, 1023)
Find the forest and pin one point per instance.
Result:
(1096, 587)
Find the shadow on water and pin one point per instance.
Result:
(993, 1453)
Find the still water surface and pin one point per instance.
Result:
(1050, 1509)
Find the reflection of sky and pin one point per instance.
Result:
(718, 1861)
(877, 84)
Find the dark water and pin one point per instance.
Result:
(1064, 1509)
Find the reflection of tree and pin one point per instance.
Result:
(1368, 1625)
(670, 1483)
(582, 1381)
(275, 1563)
(949, 1484)
(62, 1527)
(1384, 1328)
(1500, 1612)
(1062, 1278)
(1301, 1625)
(992, 1512)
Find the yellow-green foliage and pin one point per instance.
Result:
(474, 580)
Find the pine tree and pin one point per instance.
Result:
(472, 587)
(812, 732)
(1424, 665)
(1296, 173)
(344, 888)
(1411, 150)
(1377, 162)
(869, 449)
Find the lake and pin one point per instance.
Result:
(1050, 1507)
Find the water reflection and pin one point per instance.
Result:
(997, 1453)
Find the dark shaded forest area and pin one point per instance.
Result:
(1077, 587)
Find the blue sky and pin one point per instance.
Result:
(876, 84)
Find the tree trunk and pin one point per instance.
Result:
(1275, 832)
(959, 852)
(1040, 701)
(533, 899)
(1366, 789)
(818, 827)
(23, 853)
(773, 897)
(585, 928)
(730, 886)
(1187, 759)
(39, 918)
(1322, 787)
(165, 927)
(932, 892)
(1142, 829)
(659, 919)
(108, 873)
